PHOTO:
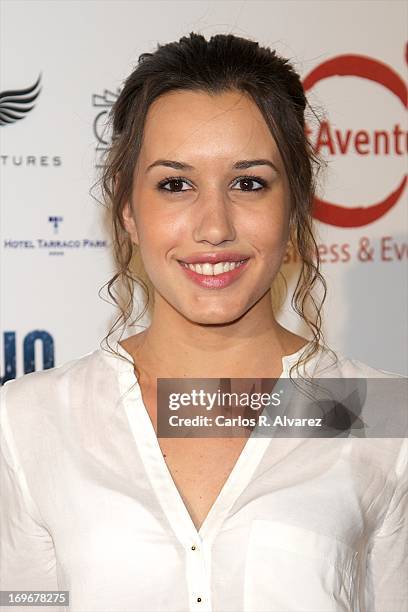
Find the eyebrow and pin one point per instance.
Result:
(239, 165)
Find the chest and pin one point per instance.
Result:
(199, 467)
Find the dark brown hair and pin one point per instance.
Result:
(223, 63)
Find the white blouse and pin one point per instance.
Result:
(89, 506)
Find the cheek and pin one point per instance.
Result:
(273, 252)
(153, 231)
(159, 224)
(269, 233)
(159, 239)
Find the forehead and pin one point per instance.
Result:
(196, 125)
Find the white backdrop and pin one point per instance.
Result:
(82, 51)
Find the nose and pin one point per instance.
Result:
(214, 218)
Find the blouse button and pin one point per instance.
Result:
(193, 547)
(198, 598)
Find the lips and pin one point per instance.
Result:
(218, 281)
(214, 258)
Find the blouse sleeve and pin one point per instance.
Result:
(27, 556)
(387, 560)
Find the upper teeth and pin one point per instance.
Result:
(214, 269)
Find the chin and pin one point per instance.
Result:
(213, 317)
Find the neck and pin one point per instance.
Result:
(250, 347)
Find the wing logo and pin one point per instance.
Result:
(16, 103)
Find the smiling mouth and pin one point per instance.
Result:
(208, 269)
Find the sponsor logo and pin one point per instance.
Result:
(59, 246)
(31, 161)
(361, 142)
(16, 103)
(103, 103)
(55, 222)
(31, 341)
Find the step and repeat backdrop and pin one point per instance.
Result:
(62, 66)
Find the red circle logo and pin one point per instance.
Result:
(373, 70)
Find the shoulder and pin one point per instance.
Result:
(42, 380)
(378, 397)
(34, 396)
(44, 413)
(339, 365)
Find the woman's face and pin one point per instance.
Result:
(193, 196)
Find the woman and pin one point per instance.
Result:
(209, 167)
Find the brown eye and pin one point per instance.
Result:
(175, 183)
(247, 183)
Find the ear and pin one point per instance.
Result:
(129, 222)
